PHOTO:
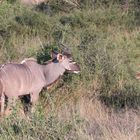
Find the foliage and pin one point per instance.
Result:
(103, 37)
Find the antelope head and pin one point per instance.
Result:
(65, 60)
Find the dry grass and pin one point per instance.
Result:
(101, 123)
(103, 101)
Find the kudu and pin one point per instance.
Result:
(29, 77)
(137, 76)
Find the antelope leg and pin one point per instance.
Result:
(34, 99)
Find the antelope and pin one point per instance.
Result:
(138, 76)
(29, 77)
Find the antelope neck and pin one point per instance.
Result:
(52, 72)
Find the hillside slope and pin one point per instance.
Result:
(100, 103)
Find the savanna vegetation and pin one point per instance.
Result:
(102, 102)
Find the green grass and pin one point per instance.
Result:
(104, 39)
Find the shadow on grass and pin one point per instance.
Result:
(16, 129)
(128, 98)
(52, 8)
(45, 8)
(137, 17)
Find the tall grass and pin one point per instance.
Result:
(102, 102)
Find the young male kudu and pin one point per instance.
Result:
(29, 77)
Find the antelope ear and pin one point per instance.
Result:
(60, 57)
(54, 54)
